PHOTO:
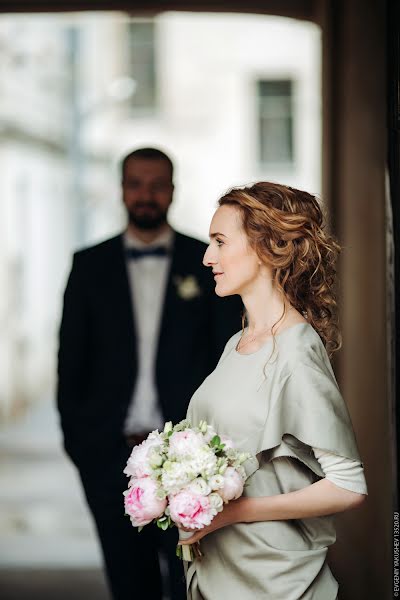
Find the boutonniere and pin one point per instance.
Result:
(187, 287)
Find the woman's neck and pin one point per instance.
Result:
(264, 305)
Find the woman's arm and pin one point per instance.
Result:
(320, 498)
(344, 472)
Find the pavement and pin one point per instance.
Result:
(48, 547)
(54, 584)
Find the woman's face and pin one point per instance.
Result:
(234, 263)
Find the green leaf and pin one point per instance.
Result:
(216, 440)
(140, 528)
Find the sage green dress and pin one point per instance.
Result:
(277, 404)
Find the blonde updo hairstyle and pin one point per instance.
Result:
(287, 230)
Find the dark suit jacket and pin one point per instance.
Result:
(97, 360)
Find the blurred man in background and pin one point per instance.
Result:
(141, 329)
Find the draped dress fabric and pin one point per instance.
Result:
(276, 403)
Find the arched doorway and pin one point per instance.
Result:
(354, 163)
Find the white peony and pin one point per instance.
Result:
(199, 486)
(204, 462)
(184, 444)
(176, 475)
(233, 485)
(138, 464)
(216, 482)
(216, 502)
(155, 457)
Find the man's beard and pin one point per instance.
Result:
(147, 220)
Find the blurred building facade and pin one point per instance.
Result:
(232, 98)
(35, 189)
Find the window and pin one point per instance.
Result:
(141, 63)
(275, 101)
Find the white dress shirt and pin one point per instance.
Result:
(148, 278)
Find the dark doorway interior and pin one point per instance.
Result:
(394, 190)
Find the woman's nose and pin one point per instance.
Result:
(208, 259)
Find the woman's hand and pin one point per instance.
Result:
(227, 516)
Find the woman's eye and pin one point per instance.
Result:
(219, 242)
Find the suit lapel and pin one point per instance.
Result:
(170, 304)
(120, 289)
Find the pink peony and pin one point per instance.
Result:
(233, 485)
(191, 510)
(141, 502)
(185, 443)
(138, 464)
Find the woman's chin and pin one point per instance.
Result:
(223, 291)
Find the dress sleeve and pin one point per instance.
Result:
(307, 410)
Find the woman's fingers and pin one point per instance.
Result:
(197, 535)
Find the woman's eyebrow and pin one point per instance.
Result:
(217, 233)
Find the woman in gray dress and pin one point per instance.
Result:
(275, 394)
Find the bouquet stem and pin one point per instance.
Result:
(189, 552)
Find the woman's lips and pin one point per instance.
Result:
(217, 275)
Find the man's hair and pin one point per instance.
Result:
(146, 154)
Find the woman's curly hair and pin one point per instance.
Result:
(286, 228)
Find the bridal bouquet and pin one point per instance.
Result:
(182, 476)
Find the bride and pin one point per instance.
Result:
(274, 393)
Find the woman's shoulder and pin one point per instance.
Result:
(230, 344)
(233, 341)
(301, 345)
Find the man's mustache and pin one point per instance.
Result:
(146, 204)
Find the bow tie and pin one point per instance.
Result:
(136, 253)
